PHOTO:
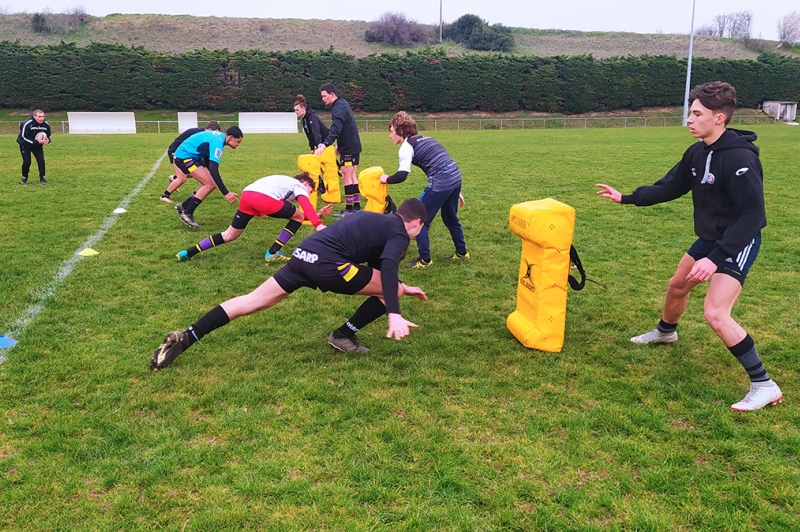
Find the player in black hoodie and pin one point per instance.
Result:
(723, 173)
(344, 132)
(314, 128)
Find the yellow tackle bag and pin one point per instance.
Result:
(310, 164)
(546, 227)
(376, 193)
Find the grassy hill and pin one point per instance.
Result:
(177, 34)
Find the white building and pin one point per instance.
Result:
(783, 111)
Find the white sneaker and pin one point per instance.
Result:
(759, 397)
(656, 337)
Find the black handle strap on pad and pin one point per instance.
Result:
(576, 260)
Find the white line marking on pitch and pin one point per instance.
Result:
(41, 295)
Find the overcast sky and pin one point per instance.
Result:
(641, 16)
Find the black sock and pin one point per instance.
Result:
(369, 311)
(214, 319)
(745, 352)
(191, 204)
(666, 328)
(349, 192)
(166, 194)
(286, 235)
(206, 243)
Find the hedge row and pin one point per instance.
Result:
(103, 77)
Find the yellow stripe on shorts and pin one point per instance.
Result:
(348, 271)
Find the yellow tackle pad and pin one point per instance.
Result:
(310, 164)
(370, 187)
(546, 228)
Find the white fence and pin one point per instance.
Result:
(453, 124)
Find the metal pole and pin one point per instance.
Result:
(440, 21)
(688, 69)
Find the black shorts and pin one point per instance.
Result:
(187, 166)
(349, 159)
(307, 269)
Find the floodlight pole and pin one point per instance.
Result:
(688, 69)
(440, 21)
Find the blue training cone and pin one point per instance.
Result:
(6, 341)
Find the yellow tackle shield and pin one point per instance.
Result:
(310, 164)
(546, 227)
(370, 187)
(330, 175)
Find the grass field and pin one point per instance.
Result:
(457, 427)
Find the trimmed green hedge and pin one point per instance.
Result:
(103, 77)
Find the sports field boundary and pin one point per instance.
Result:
(42, 294)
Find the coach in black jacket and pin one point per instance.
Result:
(344, 132)
(28, 144)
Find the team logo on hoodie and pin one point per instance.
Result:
(742, 171)
(708, 179)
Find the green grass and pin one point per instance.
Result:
(457, 427)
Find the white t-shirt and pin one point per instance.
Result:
(280, 187)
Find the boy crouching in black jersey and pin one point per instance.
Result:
(358, 255)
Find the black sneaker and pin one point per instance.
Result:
(43, 181)
(179, 208)
(188, 219)
(457, 256)
(170, 348)
(348, 344)
(24, 181)
(419, 263)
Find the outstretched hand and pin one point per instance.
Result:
(325, 211)
(414, 291)
(232, 197)
(609, 192)
(399, 327)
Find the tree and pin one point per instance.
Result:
(40, 23)
(476, 34)
(741, 26)
(396, 29)
(789, 29)
(708, 30)
(723, 23)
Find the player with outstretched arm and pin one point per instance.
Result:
(359, 255)
(723, 173)
(269, 196)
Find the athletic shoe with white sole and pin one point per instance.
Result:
(348, 344)
(656, 337)
(166, 199)
(170, 348)
(277, 256)
(759, 397)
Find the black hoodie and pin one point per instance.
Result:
(727, 188)
(314, 128)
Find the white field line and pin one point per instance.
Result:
(43, 293)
